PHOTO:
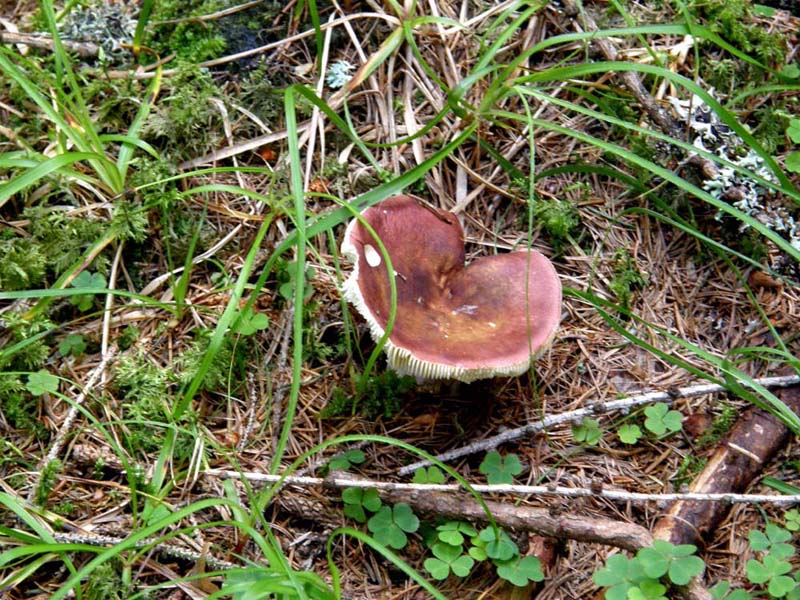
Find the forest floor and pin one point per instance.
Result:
(163, 215)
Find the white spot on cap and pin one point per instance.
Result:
(492, 324)
(372, 256)
(466, 309)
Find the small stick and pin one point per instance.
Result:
(69, 420)
(211, 16)
(752, 443)
(92, 539)
(84, 49)
(588, 529)
(340, 480)
(631, 80)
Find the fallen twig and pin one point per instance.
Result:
(590, 529)
(631, 80)
(40, 40)
(72, 414)
(755, 438)
(591, 491)
(93, 539)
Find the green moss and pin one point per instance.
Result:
(19, 409)
(770, 128)
(184, 121)
(720, 426)
(148, 391)
(23, 265)
(377, 395)
(559, 219)
(145, 388)
(687, 471)
(114, 102)
(262, 92)
(105, 583)
(64, 238)
(191, 41)
(627, 278)
(24, 344)
(644, 147)
(231, 357)
(734, 21)
(130, 221)
(47, 481)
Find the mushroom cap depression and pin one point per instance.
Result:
(490, 318)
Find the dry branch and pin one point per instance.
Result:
(38, 40)
(755, 438)
(568, 525)
(541, 521)
(630, 79)
(93, 539)
(595, 490)
(69, 420)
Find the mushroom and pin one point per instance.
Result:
(452, 321)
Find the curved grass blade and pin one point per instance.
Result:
(44, 169)
(384, 552)
(296, 186)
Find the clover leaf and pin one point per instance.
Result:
(500, 470)
(287, 281)
(453, 532)
(648, 590)
(792, 162)
(448, 558)
(478, 549)
(664, 558)
(792, 520)
(499, 546)
(430, 475)
(793, 130)
(660, 419)
(86, 280)
(629, 434)
(772, 540)
(250, 321)
(625, 579)
(390, 525)
(344, 461)
(587, 432)
(357, 500)
(772, 570)
(41, 383)
(722, 591)
(520, 571)
(73, 344)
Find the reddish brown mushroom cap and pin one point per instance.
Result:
(452, 322)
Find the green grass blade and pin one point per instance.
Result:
(132, 139)
(69, 93)
(562, 73)
(141, 25)
(129, 141)
(44, 169)
(385, 552)
(296, 186)
(668, 175)
(138, 537)
(226, 320)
